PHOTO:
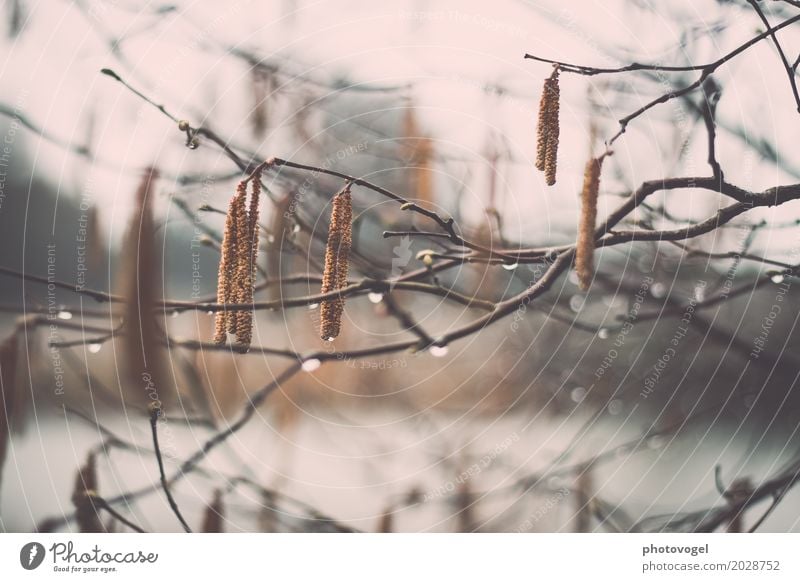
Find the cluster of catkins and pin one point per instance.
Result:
(547, 162)
(236, 280)
(237, 266)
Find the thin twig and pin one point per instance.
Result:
(155, 413)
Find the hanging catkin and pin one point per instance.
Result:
(8, 377)
(337, 253)
(87, 513)
(237, 265)
(420, 155)
(548, 129)
(423, 190)
(584, 248)
(280, 229)
(214, 514)
(261, 82)
(226, 268)
(139, 281)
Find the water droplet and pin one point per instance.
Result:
(699, 293)
(94, 348)
(602, 333)
(329, 339)
(313, 306)
(311, 365)
(615, 407)
(296, 228)
(511, 266)
(438, 351)
(210, 312)
(777, 278)
(375, 297)
(174, 314)
(658, 290)
(64, 315)
(612, 300)
(270, 238)
(578, 394)
(573, 277)
(645, 264)
(576, 302)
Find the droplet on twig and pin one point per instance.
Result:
(438, 351)
(311, 364)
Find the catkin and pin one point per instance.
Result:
(214, 514)
(139, 280)
(225, 274)
(94, 249)
(83, 496)
(241, 319)
(261, 81)
(236, 277)
(423, 183)
(337, 253)
(548, 129)
(280, 228)
(8, 373)
(584, 248)
(584, 500)
(420, 157)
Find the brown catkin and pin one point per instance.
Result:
(337, 253)
(225, 275)
(541, 130)
(386, 521)
(237, 266)
(94, 249)
(8, 373)
(584, 248)
(548, 129)
(246, 253)
(83, 497)
(268, 516)
(584, 500)
(423, 184)
(280, 228)
(140, 283)
(420, 156)
(240, 255)
(261, 81)
(252, 216)
(214, 514)
(252, 241)
(410, 131)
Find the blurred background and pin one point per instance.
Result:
(662, 399)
